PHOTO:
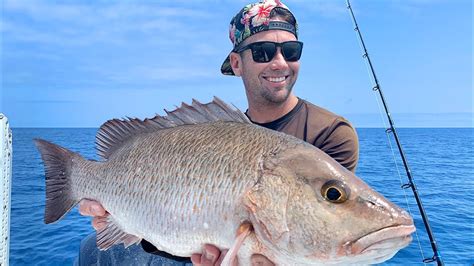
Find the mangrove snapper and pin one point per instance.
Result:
(205, 174)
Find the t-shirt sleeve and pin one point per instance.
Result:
(342, 144)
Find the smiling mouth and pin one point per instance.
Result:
(276, 79)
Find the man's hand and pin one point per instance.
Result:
(95, 210)
(211, 256)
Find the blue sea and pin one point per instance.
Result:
(441, 161)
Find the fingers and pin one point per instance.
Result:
(260, 260)
(91, 208)
(99, 223)
(196, 259)
(210, 255)
(94, 209)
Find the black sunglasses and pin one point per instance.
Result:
(263, 52)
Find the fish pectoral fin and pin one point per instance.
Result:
(243, 231)
(112, 234)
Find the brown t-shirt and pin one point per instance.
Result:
(327, 131)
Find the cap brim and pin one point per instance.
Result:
(226, 69)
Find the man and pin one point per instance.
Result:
(266, 56)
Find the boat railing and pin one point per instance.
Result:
(5, 188)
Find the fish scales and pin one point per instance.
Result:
(189, 161)
(221, 180)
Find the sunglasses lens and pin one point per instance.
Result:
(263, 52)
(291, 51)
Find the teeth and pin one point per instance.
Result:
(279, 79)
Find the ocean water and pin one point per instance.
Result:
(441, 160)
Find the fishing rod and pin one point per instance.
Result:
(436, 257)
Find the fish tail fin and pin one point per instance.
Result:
(57, 164)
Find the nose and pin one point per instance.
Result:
(278, 61)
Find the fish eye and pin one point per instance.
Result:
(335, 191)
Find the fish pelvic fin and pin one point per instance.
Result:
(244, 230)
(112, 234)
(57, 164)
(114, 133)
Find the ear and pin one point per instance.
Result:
(267, 204)
(236, 63)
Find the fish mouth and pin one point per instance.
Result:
(385, 240)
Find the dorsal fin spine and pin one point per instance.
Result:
(115, 132)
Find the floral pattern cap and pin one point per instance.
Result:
(252, 19)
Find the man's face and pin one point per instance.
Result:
(272, 82)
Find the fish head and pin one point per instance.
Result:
(308, 208)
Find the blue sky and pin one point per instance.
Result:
(80, 63)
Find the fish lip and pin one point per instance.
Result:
(396, 236)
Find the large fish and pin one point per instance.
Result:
(205, 174)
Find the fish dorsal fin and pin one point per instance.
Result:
(113, 133)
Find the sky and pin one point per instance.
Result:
(81, 63)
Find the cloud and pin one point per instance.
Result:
(93, 13)
(324, 8)
(42, 11)
(84, 24)
(47, 101)
(113, 44)
(154, 74)
(415, 8)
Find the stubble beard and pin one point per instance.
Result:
(273, 97)
(262, 96)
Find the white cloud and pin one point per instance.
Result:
(146, 75)
(81, 24)
(414, 7)
(83, 13)
(42, 11)
(154, 74)
(325, 8)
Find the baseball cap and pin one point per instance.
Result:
(252, 19)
